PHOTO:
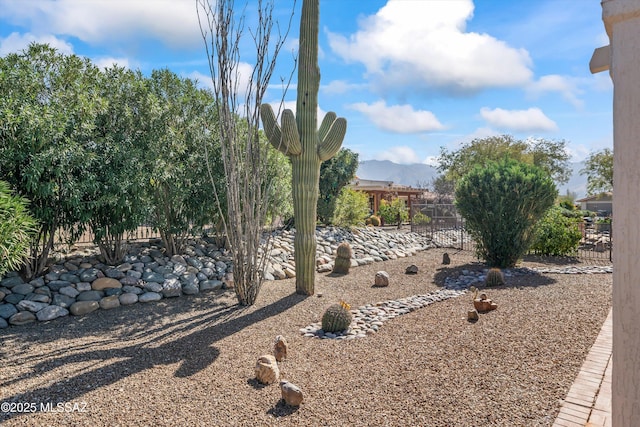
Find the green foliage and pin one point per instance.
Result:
(335, 173)
(557, 234)
(178, 148)
(599, 170)
(352, 207)
(394, 212)
(420, 219)
(115, 197)
(48, 108)
(444, 188)
(336, 318)
(494, 278)
(279, 187)
(501, 203)
(16, 229)
(548, 155)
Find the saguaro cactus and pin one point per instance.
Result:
(306, 145)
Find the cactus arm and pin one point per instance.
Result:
(271, 128)
(327, 121)
(290, 133)
(283, 139)
(330, 144)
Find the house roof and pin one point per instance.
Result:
(602, 197)
(387, 186)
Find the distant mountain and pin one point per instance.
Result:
(419, 174)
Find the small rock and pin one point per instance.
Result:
(412, 269)
(63, 301)
(83, 307)
(3, 323)
(381, 279)
(69, 291)
(109, 302)
(210, 284)
(280, 348)
(22, 289)
(128, 298)
(291, 393)
(446, 260)
(51, 312)
(149, 297)
(267, 371)
(22, 318)
(171, 288)
(472, 315)
(105, 282)
(7, 310)
(31, 306)
(89, 296)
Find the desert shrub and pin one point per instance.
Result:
(420, 219)
(556, 234)
(394, 212)
(501, 203)
(352, 207)
(16, 229)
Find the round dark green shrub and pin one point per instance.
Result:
(501, 203)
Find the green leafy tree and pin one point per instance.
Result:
(182, 139)
(116, 199)
(335, 174)
(352, 208)
(557, 233)
(599, 171)
(549, 155)
(48, 106)
(501, 203)
(279, 187)
(444, 189)
(394, 212)
(16, 229)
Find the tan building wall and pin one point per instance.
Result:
(622, 22)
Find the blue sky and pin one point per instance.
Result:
(410, 76)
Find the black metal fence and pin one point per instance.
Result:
(443, 224)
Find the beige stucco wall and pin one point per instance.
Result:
(622, 21)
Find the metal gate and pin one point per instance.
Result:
(442, 224)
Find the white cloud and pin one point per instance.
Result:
(16, 42)
(108, 62)
(431, 161)
(421, 45)
(398, 118)
(529, 120)
(566, 86)
(104, 21)
(338, 87)
(399, 154)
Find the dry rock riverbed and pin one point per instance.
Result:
(190, 360)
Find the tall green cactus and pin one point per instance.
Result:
(306, 145)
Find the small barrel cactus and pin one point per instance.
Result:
(494, 278)
(375, 220)
(337, 318)
(343, 259)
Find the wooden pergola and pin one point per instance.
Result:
(385, 190)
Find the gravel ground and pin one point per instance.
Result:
(189, 361)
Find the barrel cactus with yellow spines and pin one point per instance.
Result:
(337, 318)
(307, 146)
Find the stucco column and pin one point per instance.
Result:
(622, 21)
